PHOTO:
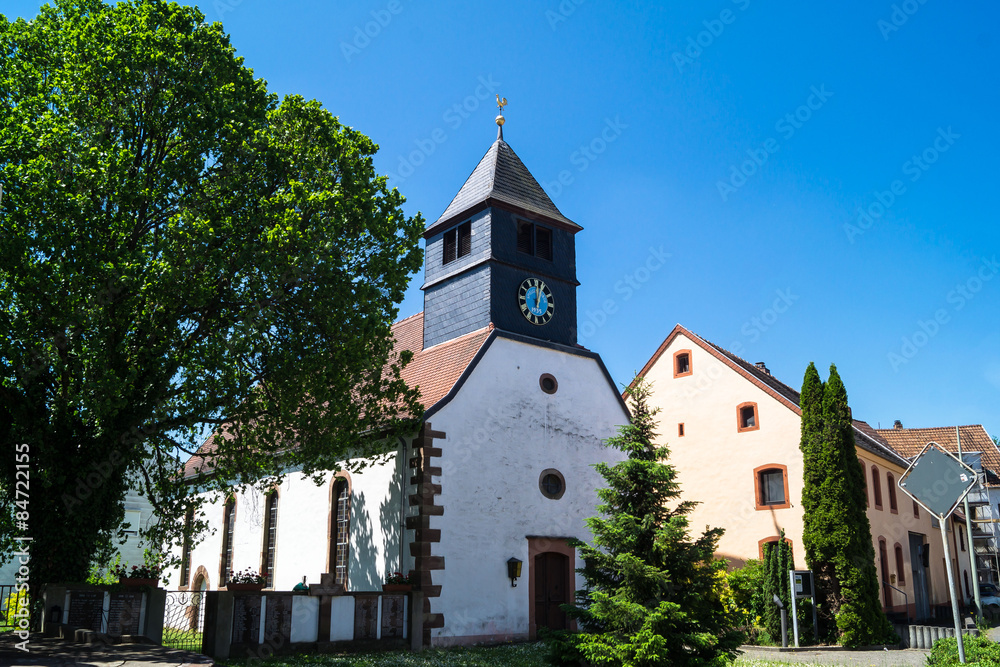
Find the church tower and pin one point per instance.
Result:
(501, 253)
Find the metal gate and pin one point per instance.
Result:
(12, 601)
(184, 620)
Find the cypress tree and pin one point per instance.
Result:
(779, 560)
(654, 593)
(822, 529)
(836, 532)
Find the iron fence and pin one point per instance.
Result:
(11, 601)
(184, 620)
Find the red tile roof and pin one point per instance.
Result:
(434, 371)
(774, 387)
(909, 441)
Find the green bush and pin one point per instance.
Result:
(561, 647)
(979, 650)
(747, 587)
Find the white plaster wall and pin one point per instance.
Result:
(715, 466)
(303, 530)
(502, 432)
(715, 462)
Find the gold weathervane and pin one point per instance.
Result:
(501, 103)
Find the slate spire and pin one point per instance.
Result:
(501, 179)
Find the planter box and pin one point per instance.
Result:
(245, 587)
(397, 588)
(135, 582)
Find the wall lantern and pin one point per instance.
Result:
(513, 571)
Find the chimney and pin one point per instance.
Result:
(897, 424)
(760, 366)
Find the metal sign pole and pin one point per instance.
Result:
(951, 589)
(815, 624)
(795, 613)
(972, 548)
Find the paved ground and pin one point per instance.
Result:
(59, 653)
(914, 657)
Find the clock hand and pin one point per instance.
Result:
(538, 297)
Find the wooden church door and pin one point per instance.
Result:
(551, 571)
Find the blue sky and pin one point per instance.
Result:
(819, 174)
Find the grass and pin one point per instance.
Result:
(189, 640)
(508, 655)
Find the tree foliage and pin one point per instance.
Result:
(836, 531)
(777, 562)
(654, 593)
(181, 250)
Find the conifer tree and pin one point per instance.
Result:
(836, 532)
(654, 593)
(778, 561)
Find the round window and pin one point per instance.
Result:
(548, 383)
(552, 484)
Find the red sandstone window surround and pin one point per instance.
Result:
(876, 488)
(891, 482)
(771, 540)
(747, 418)
(770, 485)
(682, 363)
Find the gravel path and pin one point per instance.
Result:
(910, 657)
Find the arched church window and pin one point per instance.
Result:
(270, 539)
(341, 530)
(228, 529)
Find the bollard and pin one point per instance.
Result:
(914, 642)
(784, 628)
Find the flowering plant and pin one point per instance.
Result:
(397, 578)
(247, 576)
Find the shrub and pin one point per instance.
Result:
(979, 650)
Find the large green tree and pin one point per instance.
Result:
(836, 533)
(181, 251)
(654, 593)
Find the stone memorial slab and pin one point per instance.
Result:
(278, 619)
(86, 610)
(366, 616)
(393, 616)
(123, 613)
(246, 619)
(305, 619)
(342, 618)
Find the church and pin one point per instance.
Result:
(477, 505)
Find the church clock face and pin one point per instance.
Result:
(535, 299)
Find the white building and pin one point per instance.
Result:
(516, 413)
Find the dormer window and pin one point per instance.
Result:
(457, 242)
(534, 240)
